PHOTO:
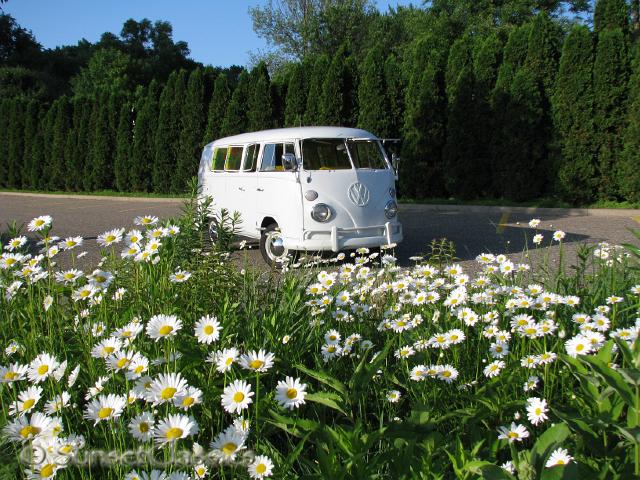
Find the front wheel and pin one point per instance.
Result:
(272, 247)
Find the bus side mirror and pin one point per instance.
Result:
(395, 162)
(289, 162)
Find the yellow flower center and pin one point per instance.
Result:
(105, 412)
(228, 361)
(28, 431)
(39, 222)
(100, 279)
(127, 333)
(229, 448)
(238, 397)
(110, 238)
(122, 362)
(168, 393)
(66, 449)
(42, 369)
(139, 369)
(143, 427)
(166, 330)
(188, 401)
(560, 462)
(512, 435)
(579, 347)
(208, 329)
(10, 376)
(446, 373)
(173, 433)
(261, 468)
(108, 350)
(85, 293)
(256, 364)
(47, 471)
(28, 404)
(10, 261)
(292, 393)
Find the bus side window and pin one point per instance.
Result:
(218, 158)
(251, 158)
(234, 157)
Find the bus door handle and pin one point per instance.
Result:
(260, 189)
(241, 189)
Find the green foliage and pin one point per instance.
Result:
(573, 106)
(98, 169)
(610, 77)
(5, 106)
(167, 134)
(610, 14)
(123, 149)
(373, 99)
(629, 163)
(105, 75)
(312, 111)
(144, 139)
(32, 119)
(235, 119)
(338, 97)
(189, 142)
(15, 139)
(217, 109)
(260, 109)
(60, 131)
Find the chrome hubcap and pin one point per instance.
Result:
(274, 246)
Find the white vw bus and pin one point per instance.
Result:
(307, 188)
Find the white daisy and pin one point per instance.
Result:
(192, 396)
(228, 443)
(224, 359)
(173, 428)
(393, 396)
(13, 373)
(40, 223)
(261, 467)
(179, 276)
(537, 410)
(26, 401)
(142, 427)
(166, 387)
(236, 396)
(259, 361)
(24, 429)
(290, 393)
(163, 326)
(560, 456)
(105, 407)
(42, 367)
(207, 329)
(514, 433)
(110, 237)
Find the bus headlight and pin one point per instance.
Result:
(391, 209)
(321, 213)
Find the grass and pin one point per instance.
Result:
(541, 203)
(366, 370)
(101, 193)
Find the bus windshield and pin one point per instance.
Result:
(367, 154)
(337, 154)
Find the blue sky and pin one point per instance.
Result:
(219, 32)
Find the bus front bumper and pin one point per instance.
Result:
(338, 238)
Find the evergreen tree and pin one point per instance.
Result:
(572, 105)
(61, 129)
(523, 175)
(191, 133)
(98, 170)
(461, 169)
(5, 122)
(260, 114)
(123, 150)
(424, 120)
(374, 107)
(16, 143)
(44, 154)
(32, 119)
(37, 155)
(629, 169)
(610, 14)
(337, 101)
(235, 119)
(79, 161)
(487, 56)
(217, 108)
(395, 95)
(610, 77)
(143, 145)
(514, 55)
(312, 111)
(166, 137)
(296, 99)
(543, 51)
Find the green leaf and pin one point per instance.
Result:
(566, 472)
(546, 442)
(327, 399)
(631, 434)
(613, 378)
(494, 472)
(324, 377)
(294, 426)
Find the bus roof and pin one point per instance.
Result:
(297, 133)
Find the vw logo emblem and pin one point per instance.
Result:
(359, 194)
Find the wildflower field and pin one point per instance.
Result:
(169, 361)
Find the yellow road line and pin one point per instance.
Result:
(504, 219)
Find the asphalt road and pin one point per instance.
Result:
(473, 229)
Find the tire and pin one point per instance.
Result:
(269, 247)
